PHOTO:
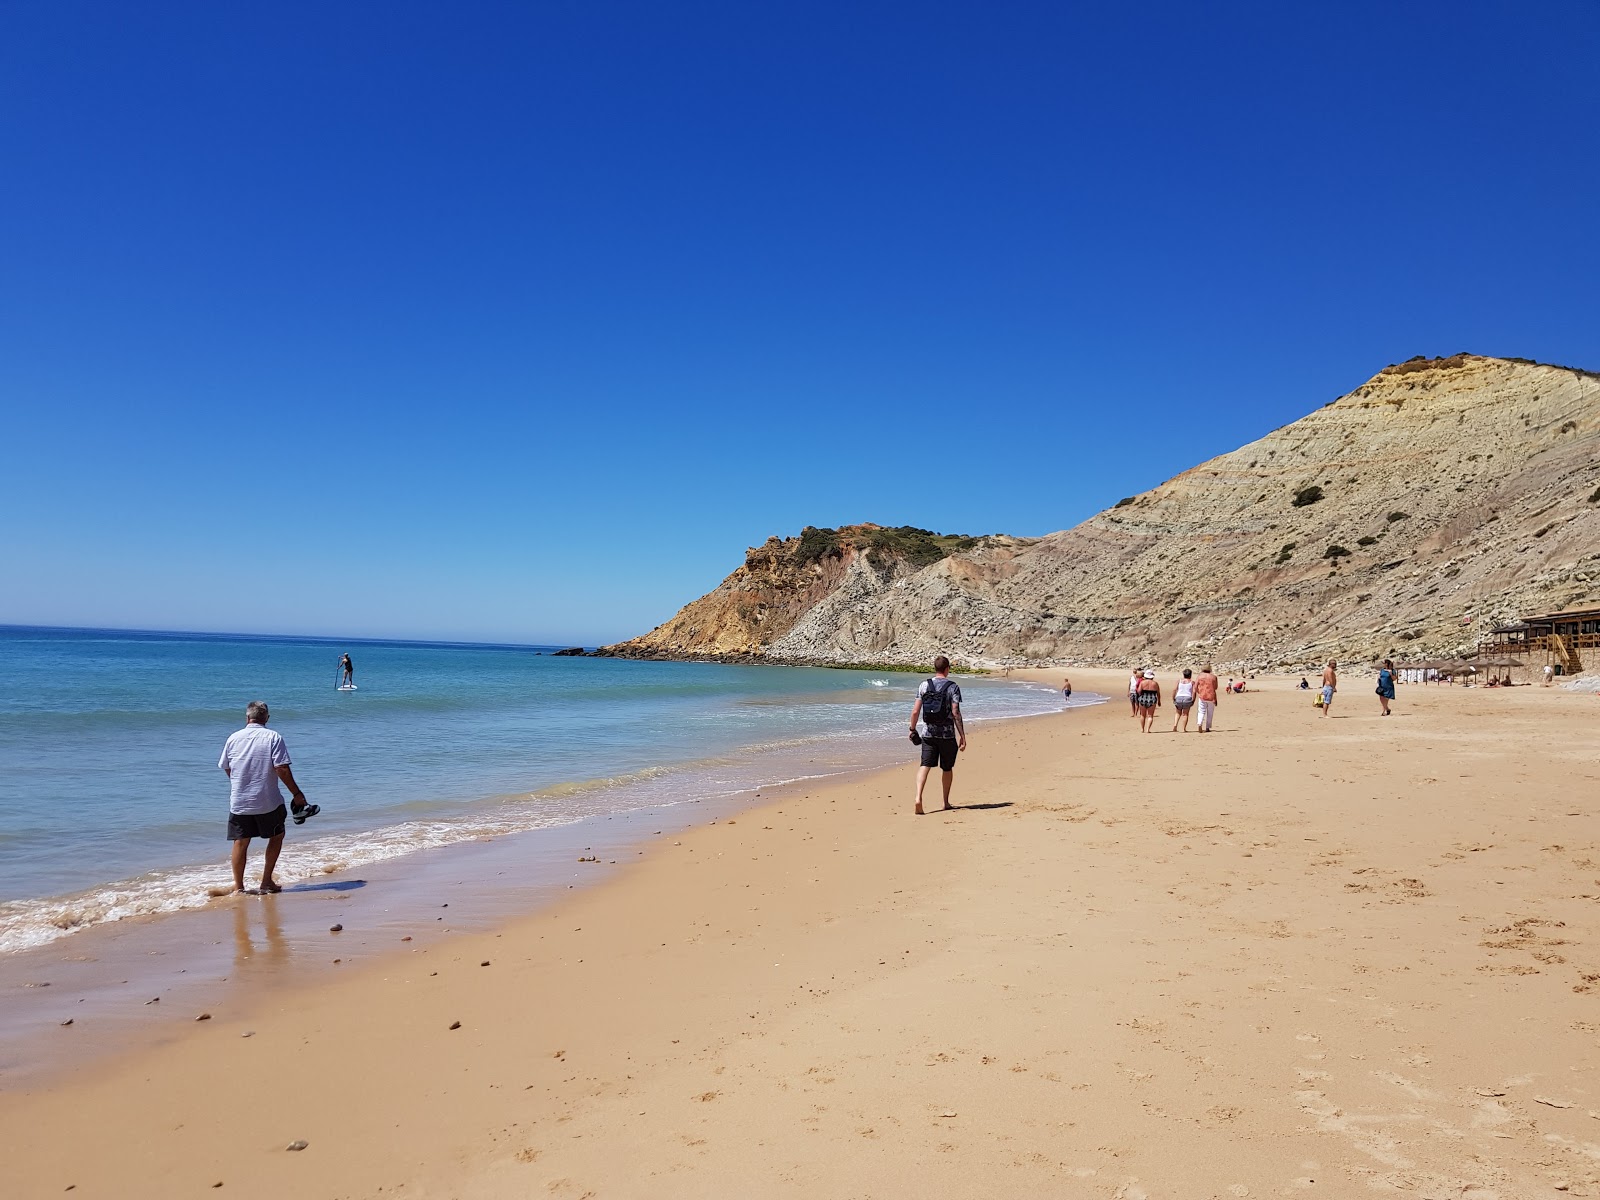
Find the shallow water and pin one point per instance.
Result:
(114, 806)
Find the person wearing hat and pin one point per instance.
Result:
(1147, 699)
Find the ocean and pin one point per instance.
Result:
(114, 807)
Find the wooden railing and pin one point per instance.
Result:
(1566, 654)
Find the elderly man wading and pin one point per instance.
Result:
(255, 759)
(939, 706)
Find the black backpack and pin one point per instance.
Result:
(936, 703)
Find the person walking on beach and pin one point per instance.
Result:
(1148, 698)
(1549, 674)
(1066, 689)
(939, 708)
(349, 669)
(1385, 685)
(1183, 700)
(1330, 685)
(255, 759)
(1133, 692)
(1205, 697)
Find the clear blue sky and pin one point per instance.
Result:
(521, 321)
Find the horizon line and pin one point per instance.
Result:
(294, 637)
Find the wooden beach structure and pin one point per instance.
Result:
(1557, 639)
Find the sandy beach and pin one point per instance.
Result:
(1297, 956)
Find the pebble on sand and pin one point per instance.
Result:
(203, 1017)
(297, 1144)
(484, 963)
(335, 928)
(455, 1024)
(68, 1021)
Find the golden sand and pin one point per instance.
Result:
(1294, 957)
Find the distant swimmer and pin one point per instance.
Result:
(255, 759)
(347, 672)
(1066, 689)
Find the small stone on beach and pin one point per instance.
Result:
(455, 1024)
(68, 1021)
(203, 1017)
(156, 1000)
(297, 1144)
(405, 939)
(335, 928)
(947, 1113)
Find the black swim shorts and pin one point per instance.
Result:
(256, 825)
(939, 752)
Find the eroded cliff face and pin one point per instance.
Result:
(788, 582)
(1440, 497)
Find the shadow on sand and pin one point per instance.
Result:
(341, 885)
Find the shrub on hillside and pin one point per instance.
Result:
(1398, 516)
(920, 547)
(1336, 551)
(1369, 540)
(817, 544)
(1307, 495)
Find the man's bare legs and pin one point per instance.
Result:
(946, 778)
(241, 850)
(241, 847)
(268, 883)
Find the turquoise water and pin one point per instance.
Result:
(113, 804)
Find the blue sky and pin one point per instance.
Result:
(521, 321)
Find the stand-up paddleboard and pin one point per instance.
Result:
(346, 687)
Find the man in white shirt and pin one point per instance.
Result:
(255, 759)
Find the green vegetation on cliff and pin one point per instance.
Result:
(920, 547)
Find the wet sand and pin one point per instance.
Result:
(1297, 956)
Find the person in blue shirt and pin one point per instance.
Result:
(1386, 685)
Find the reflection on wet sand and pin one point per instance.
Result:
(253, 920)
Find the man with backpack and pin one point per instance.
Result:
(939, 707)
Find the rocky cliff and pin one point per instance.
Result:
(1438, 498)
